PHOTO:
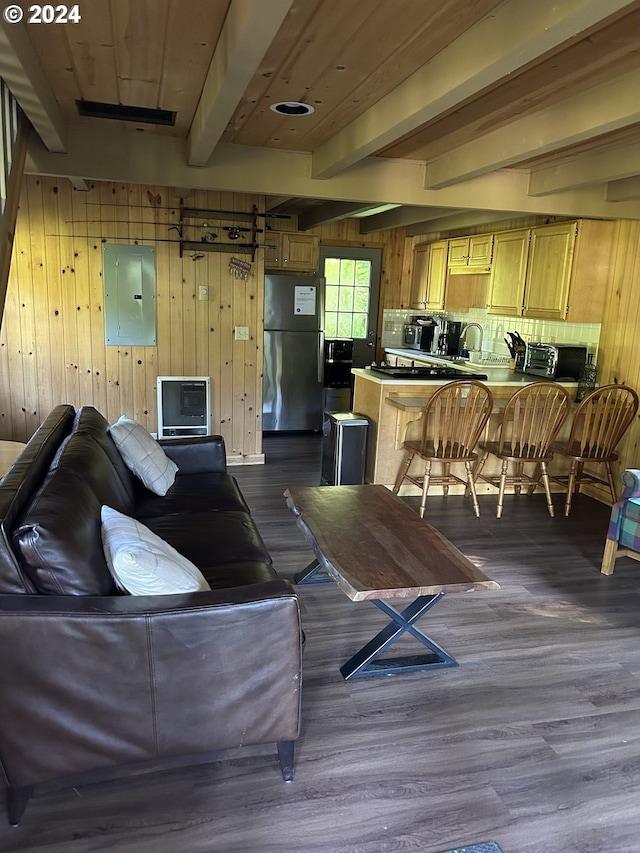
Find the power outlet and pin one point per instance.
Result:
(242, 333)
(203, 292)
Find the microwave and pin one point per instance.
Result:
(555, 361)
(417, 336)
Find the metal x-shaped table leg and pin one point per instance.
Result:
(365, 662)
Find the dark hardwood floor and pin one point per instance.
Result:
(533, 741)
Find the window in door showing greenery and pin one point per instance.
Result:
(346, 301)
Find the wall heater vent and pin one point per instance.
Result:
(183, 406)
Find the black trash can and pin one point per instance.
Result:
(344, 445)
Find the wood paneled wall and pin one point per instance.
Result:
(619, 349)
(52, 347)
(52, 344)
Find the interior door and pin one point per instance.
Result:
(352, 297)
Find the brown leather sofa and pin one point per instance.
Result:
(95, 684)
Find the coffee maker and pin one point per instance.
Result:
(449, 337)
(454, 331)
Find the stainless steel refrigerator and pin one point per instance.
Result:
(293, 353)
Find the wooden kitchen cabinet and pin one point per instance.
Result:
(429, 279)
(470, 254)
(568, 270)
(291, 250)
(552, 272)
(508, 272)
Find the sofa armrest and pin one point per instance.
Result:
(119, 680)
(631, 480)
(201, 454)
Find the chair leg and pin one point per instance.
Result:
(609, 556)
(503, 483)
(612, 484)
(18, 800)
(425, 487)
(402, 473)
(480, 465)
(285, 755)
(535, 479)
(446, 472)
(519, 473)
(471, 487)
(547, 489)
(571, 483)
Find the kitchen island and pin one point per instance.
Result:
(394, 409)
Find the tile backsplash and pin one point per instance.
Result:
(495, 329)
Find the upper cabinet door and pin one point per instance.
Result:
(480, 250)
(437, 276)
(418, 295)
(429, 278)
(508, 272)
(459, 252)
(549, 272)
(471, 254)
(293, 250)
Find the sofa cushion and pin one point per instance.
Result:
(238, 574)
(91, 421)
(143, 455)
(212, 538)
(83, 455)
(193, 493)
(58, 538)
(142, 563)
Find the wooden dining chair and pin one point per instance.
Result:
(531, 420)
(452, 422)
(599, 423)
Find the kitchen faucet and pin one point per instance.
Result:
(464, 339)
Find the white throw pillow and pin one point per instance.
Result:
(143, 455)
(141, 562)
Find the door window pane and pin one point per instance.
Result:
(347, 297)
(359, 325)
(332, 270)
(331, 297)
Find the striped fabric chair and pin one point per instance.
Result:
(623, 536)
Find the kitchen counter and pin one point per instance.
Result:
(394, 410)
(498, 373)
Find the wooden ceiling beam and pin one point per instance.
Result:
(249, 29)
(514, 35)
(457, 222)
(597, 168)
(610, 106)
(626, 189)
(119, 155)
(332, 211)
(23, 74)
(275, 203)
(402, 216)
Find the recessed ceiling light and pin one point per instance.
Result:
(292, 108)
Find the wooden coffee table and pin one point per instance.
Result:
(376, 548)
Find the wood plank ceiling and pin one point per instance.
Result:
(465, 88)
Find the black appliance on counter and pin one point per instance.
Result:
(338, 385)
(419, 333)
(435, 372)
(449, 337)
(555, 361)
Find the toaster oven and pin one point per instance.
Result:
(417, 336)
(555, 361)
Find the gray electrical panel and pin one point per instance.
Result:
(129, 274)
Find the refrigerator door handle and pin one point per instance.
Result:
(320, 357)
